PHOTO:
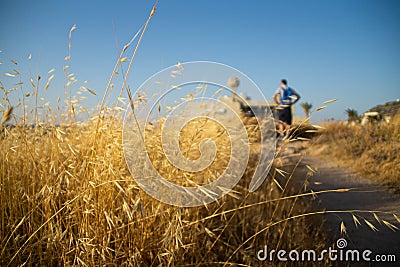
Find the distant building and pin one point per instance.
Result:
(373, 117)
(258, 107)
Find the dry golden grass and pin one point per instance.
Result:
(190, 137)
(68, 198)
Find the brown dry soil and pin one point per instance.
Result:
(365, 196)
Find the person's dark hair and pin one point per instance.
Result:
(284, 81)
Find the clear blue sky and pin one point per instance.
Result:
(343, 49)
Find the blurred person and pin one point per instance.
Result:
(285, 97)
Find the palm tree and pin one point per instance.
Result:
(352, 115)
(306, 107)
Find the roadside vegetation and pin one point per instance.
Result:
(372, 150)
(67, 198)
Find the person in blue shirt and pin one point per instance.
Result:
(285, 97)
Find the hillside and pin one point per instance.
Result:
(389, 108)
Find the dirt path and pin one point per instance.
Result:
(365, 195)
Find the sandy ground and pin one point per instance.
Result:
(364, 195)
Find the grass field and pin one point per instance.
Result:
(68, 198)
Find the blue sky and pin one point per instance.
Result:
(345, 49)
